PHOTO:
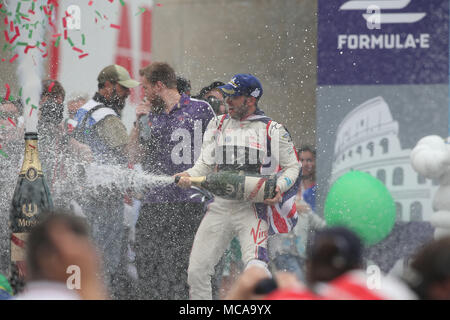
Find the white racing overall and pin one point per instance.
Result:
(237, 145)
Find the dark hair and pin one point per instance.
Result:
(207, 89)
(39, 240)
(334, 251)
(307, 148)
(430, 266)
(183, 85)
(57, 90)
(160, 71)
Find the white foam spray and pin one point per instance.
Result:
(31, 64)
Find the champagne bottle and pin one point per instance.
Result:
(31, 197)
(236, 186)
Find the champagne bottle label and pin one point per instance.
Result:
(18, 241)
(31, 197)
(234, 186)
(257, 189)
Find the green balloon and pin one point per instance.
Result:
(363, 204)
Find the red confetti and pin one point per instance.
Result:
(8, 90)
(115, 26)
(83, 55)
(6, 36)
(6, 20)
(56, 35)
(25, 18)
(31, 11)
(90, 3)
(11, 26)
(55, 2)
(111, 1)
(159, 5)
(28, 47)
(45, 55)
(50, 87)
(65, 34)
(12, 122)
(15, 37)
(14, 58)
(64, 21)
(77, 50)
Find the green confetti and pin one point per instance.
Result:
(122, 2)
(28, 100)
(57, 42)
(98, 13)
(18, 6)
(3, 153)
(70, 42)
(83, 39)
(22, 43)
(20, 93)
(33, 106)
(141, 11)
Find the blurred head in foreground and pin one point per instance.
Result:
(333, 252)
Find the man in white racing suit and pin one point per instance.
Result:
(242, 140)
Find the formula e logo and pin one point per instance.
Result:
(374, 17)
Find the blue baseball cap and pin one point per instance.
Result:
(243, 85)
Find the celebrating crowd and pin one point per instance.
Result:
(185, 243)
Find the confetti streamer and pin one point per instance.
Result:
(141, 11)
(11, 121)
(14, 58)
(50, 87)
(3, 153)
(28, 47)
(8, 91)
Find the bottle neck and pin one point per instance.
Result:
(197, 181)
(31, 158)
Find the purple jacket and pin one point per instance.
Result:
(175, 142)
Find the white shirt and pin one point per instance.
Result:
(47, 290)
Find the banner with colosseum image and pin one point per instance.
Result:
(383, 70)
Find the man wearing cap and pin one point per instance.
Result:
(244, 140)
(99, 125)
